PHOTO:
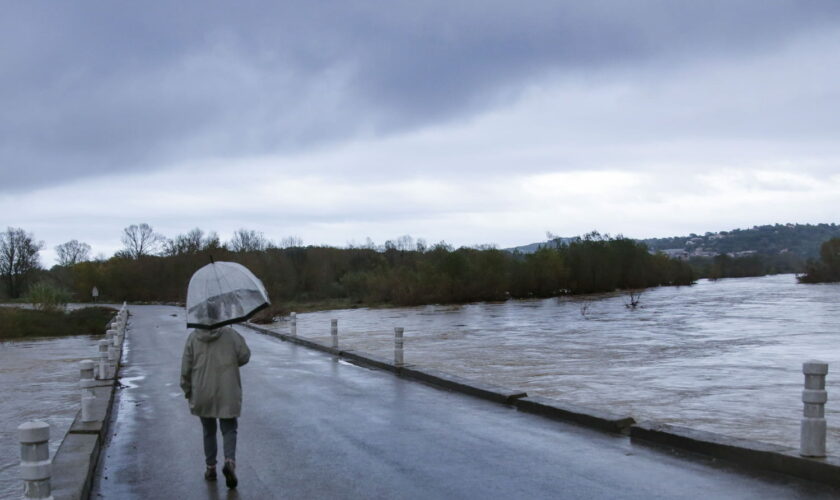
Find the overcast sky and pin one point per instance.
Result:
(471, 122)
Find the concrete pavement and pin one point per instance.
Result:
(314, 427)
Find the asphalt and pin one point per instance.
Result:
(314, 427)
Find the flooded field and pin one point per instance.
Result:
(721, 356)
(40, 380)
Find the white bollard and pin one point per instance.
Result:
(398, 346)
(35, 466)
(334, 332)
(112, 357)
(86, 383)
(812, 439)
(113, 334)
(293, 326)
(103, 359)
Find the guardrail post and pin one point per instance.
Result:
(293, 326)
(812, 443)
(103, 359)
(398, 346)
(86, 383)
(334, 332)
(35, 466)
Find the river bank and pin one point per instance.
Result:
(17, 322)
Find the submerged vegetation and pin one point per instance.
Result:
(827, 269)
(18, 323)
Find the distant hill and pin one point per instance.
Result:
(533, 247)
(802, 240)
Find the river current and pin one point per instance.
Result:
(40, 381)
(723, 356)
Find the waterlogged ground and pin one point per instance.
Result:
(721, 356)
(39, 380)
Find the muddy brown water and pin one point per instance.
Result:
(722, 356)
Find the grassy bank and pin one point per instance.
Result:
(21, 323)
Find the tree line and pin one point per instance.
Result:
(827, 268)
(401, 272)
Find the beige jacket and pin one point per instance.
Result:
(210, 372)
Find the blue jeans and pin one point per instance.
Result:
(228, 426)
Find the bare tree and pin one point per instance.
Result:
(140, 240)
(18, 258)
(247, 240)
(72, 252)
(291, 242)
(188, 243)
(635, 298)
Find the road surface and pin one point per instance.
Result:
(314, 427)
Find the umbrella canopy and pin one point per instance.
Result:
(222, 293)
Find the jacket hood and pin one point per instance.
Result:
(209, 335)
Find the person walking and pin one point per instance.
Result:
(219, 294)
(212, 385)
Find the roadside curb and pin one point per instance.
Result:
(74, 464)
(754, 454)
(589, 417)
(751, 454)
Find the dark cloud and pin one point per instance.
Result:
(93, 87)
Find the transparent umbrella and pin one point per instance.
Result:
(222, 293)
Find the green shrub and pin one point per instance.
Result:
(48, 297)
(18, 323)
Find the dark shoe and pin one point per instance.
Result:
(229, 470)
(210, 473)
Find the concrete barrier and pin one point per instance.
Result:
(75, 461)
(35, 465)
(743, 452)
(589, 417)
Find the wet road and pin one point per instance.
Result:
(314, 427)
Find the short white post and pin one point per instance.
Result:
(112, 353)
(86, 383)
(812, 443)
(293, 318)
(35, 465)
(398, 346)
(103, 359)
(114, 336)
(334, 332)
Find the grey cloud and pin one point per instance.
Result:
(107, 86)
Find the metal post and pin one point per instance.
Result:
(35, 466)
(812, 442)
(293, 318)
(86, 383)
(334, 332)
(103, 359)
(398, 346)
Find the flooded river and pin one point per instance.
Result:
(721, 356)
(39, 379)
